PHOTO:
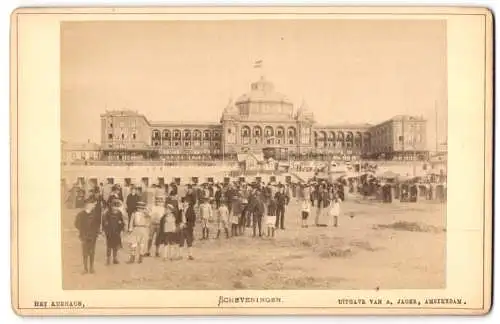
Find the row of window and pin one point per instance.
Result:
(268, 131)
(186, 134)
(340, 144)
(270, 141)
(174, 143)
(122, 124)
(123, 137)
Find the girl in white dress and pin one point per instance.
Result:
(334, 211)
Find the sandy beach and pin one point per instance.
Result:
(385, 246)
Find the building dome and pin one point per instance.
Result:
(262, 101)
(263, 91)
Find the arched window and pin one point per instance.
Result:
(280, 132)
(245, 135)
(186, 135)
(196, 138)
(292, 135)
(257, 134)
(340, 139)
(156, 135)
(268, 131)
(177, 134)
(322, 139)
(349, 139)
(166, 135)
(257, 131)
(206, 135)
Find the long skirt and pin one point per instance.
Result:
(113, 240)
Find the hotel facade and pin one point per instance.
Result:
(260, 121)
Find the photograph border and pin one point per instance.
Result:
(488, 158)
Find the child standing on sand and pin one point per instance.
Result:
(223, 219)
(271, 217)
(169, 233)
(206, 217)
(334, 211)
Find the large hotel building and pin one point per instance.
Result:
(262, 120)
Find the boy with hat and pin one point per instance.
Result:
(88, 224)
(139, 232)
(113, 224)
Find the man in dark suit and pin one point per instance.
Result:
(281, 202)
(256, 207)
(132, 200)
(88, 224)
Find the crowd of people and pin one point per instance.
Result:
(160, 221)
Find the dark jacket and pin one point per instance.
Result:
(132, 201)
(88, 224)
(281, 199)
(256, 205)
(323, 199)
(190, 217)
(177, 212)
(112, 225)
(113, 221)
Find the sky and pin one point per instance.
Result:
(347, 71)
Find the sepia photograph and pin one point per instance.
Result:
(271, 154)
(251, 160)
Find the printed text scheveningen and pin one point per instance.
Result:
(248, 300)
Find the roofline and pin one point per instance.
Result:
(183, 123)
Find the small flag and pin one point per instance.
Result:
(257, 64)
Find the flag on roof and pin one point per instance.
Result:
(257, 64)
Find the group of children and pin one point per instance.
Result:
(169, 224)
(332, 212)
